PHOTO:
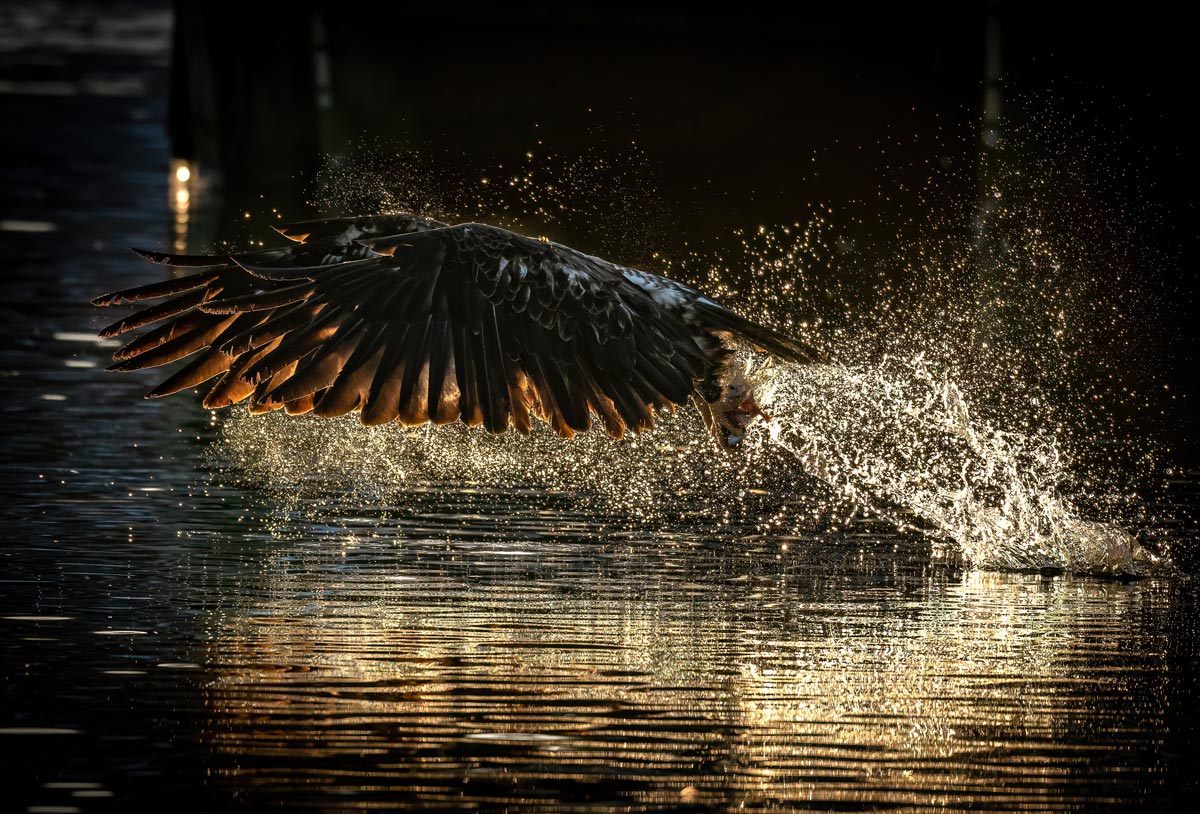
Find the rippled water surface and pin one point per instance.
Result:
(179, 631)
(476, 647)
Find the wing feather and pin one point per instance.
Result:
(413, 400)
(150, 340)
(382, 401)
(349, 391)
(176, 348)
(403, 318)
(440, 353)
(319, 370)
(264, 328)
(170, 308)
(209, 364)
(464, 371)
(232, 387)
(489, 369)
(295, 345)
(302, 405)
(153, 291)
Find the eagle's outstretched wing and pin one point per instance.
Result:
(402, 318)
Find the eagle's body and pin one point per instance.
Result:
(404, 319)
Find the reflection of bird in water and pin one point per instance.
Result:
(402, 318)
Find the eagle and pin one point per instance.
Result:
(404, 318)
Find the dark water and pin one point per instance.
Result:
(173, 636)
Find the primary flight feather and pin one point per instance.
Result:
(401, 318)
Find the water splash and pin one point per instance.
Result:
(895, 438)
(901, 438)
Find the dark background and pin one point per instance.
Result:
(698, 124)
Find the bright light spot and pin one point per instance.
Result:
(182, 173)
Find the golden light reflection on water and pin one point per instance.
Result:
(439, 672)
(180, 185)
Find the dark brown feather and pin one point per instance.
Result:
(163, 310)
(164, 288)
(231, 388)
(297, 344)
(259, 300)
(440, 352)
(318, 371)
(178, 347)
(212, 363)
(413, 397)
(349, 391)
(382, 403)
(271, 326)
(185, 324)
